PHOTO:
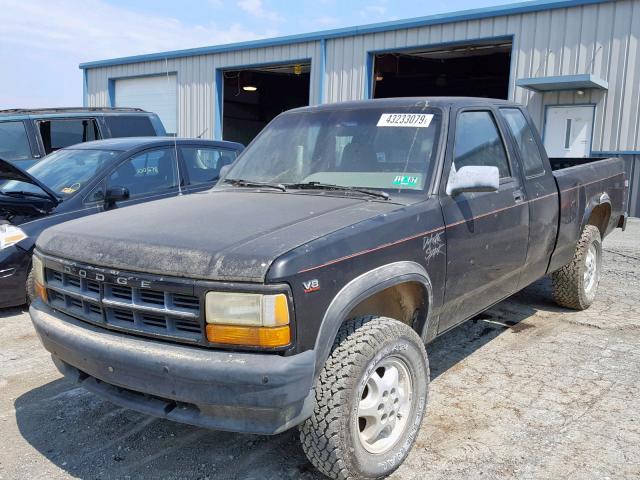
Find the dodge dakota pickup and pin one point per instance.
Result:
(302, 289)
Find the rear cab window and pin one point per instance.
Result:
(525, 140)
(203, 164)
(130, 126)
(64, 132)
(14, 141)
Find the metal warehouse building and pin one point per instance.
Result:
(574, 63)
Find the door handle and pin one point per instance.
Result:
(518, 196)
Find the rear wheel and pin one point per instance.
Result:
(575, 285)
(370, 400)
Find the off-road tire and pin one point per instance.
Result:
(330, 436)
(568, 282)
(30, 287)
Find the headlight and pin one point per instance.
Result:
(38, 278)
(248, 319)
(10, 235)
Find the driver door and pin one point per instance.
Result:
(486, 232)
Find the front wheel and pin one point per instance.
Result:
(370, 400)
(575, 285)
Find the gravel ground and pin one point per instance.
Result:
(527, 391)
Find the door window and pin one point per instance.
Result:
(149, 172)
(60, 133)
(130, 126)
(525, 139)
(204, 164)
(14, 143)
(478, 143)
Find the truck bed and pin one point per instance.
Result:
(582, 187)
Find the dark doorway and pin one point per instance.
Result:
(253, 97)
(478, 70)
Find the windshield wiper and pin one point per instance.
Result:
(23, 193)
(239, 182)
(342, 188)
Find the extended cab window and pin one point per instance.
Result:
(149, 172)
(527, 145)
(204, 164)
(130, 126)
(14, 143)
(60, 133)
(478, 143)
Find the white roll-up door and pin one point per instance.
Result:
(155, 94)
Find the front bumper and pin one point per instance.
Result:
(239, 392)
(14, 269)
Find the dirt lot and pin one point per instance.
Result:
(527, 391)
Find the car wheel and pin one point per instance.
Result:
(30, 287)
(370, 400)
(575, 285)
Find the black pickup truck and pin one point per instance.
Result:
(303, 288)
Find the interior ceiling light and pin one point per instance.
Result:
(379, 77)
(297, 69)
(249, 88)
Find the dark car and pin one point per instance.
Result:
(27, 135)
(90, 178)
(346, 237)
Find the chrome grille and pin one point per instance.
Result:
(139, 310)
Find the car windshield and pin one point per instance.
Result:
(376, 148)
(64, 172)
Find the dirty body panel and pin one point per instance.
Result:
(301, 214)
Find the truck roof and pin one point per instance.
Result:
(403, 102)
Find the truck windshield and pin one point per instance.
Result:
(376, 148)
(64, 171)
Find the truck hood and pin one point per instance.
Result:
(230, 235)
(9, 171)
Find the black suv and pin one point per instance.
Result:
(28, 135)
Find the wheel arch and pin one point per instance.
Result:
(364, 287)
(598, 213)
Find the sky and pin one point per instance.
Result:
(43, 41)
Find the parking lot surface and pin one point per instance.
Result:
(528, 390)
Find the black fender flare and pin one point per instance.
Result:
(359, 289)
(595, 201)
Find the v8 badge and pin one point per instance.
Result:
(311, 286)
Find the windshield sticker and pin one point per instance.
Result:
(69, 190)
(420, 120)
(406, 180)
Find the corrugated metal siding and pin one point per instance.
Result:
(196, 80)
(601, 39)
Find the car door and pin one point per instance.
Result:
(148, 175)
(202, 164)
(486, 232)
(542, 193)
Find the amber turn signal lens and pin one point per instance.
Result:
(41, 291)
(249, 336)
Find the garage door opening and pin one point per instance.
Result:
(478, 70)
(253, 97)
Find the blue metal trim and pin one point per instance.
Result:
(616, 152)
(562, 82)
(322, 69)
(84, 88)
(218, 104)
(369, 73)
(593, 119)
(464, 15)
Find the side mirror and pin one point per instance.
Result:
(473, 179)
(115, 194)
